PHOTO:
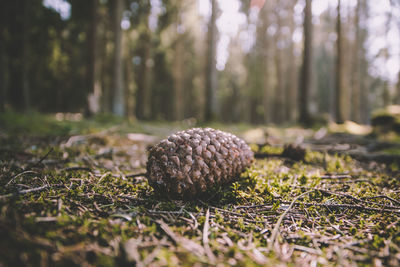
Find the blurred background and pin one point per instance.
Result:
(274, 61)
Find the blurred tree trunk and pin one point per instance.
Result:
(211, 72)
(144, 52)
(398, 89)
(306, 72)
(94, 91)
(129, 80)
(17, 51)
(179, 69)
(279, 103)
(395, 4)
(356, 75)
(398, 75)
(291, 81)
(363, 64)
(386, 97)
(339, 92)
(179, 78)
(386, 94)
(263, 47)
(118, 86)
(25, 56)
(3, 55)
(279, 100)
(105, 59)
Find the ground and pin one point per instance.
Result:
(70, 195)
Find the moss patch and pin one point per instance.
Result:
(80, 204)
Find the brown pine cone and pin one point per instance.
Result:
(189, 163)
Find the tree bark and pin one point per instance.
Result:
(118, 86)
(339, 92)
(306, 73)
(211, 72)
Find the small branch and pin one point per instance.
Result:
(43, 158)
(186, 243)
(18, 175)
(77, 168)
(206, 245)
(267, 155)
(27, 170)
(278, 223)
(353, 181)
(143, 174)
(351, 197)
(31, 190)
(336, 176)
(350, 206)
(383, 196)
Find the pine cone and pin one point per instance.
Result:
(190, 162)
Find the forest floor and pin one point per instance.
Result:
(69, 196)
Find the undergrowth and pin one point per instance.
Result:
(79, 202)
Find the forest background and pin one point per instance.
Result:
(235, 61)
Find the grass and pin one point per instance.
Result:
(79, 204)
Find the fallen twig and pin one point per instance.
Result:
(31, 190)
(349, 206)
(336, 176)
(77, 168)
(383, 196)
(18, 175)
(28, 169)
(278, 223)
(186, 243)
(206, 245)
(351, 197)
(144, 174)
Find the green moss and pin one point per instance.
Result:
(91, 210)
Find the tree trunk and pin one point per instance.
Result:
(94, 91)
(398, 75)
(118, 86)
(355, 93)
(211, 72)
(179, 78)
(279, 107)
(398, 89)
(25, 56)
(17, 51)
(363, 65)
(339, 92)
(3, 54)
(264, 54)
(104, 60)
(306, 73)
(386, 94)
(291, 84)
(142, 98)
